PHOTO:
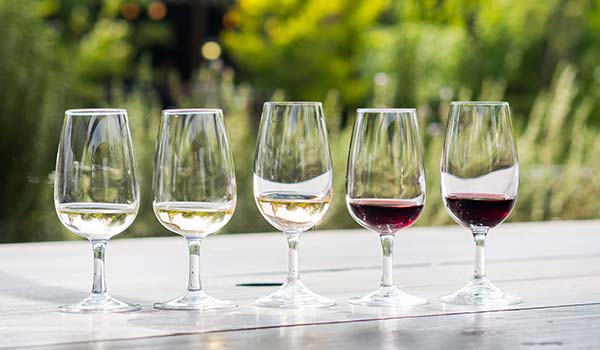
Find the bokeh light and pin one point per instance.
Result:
(211, 50)
(130, 11)
(157, 10)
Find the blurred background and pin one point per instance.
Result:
(144, 55)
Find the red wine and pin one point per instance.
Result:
(385, 215)
(479, 209)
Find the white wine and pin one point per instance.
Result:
(194, 219)
(96, 220)
(292, 212)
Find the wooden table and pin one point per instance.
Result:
(554, 266)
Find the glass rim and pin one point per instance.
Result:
(480, 103)
(386, 110)
(284, 103)
(192, 111)
(96, 111)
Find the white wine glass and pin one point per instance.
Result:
(96, 192)
(480, 179)
(385, 187)
(194, 190)
(293, 183)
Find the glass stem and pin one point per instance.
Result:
(194, 284)
(387, 246)
(479, 236)
(293, 239)
(99, 283)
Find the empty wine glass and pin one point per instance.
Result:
(293, 184)
(194, 189)
(480, 177)
(96, 192)
(385, 187)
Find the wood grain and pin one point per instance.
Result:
(554, 266)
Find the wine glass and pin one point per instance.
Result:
(480, 177)
(385, 187)
(96, 192)
(194, 190)
(293, 184)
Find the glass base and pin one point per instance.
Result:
(389, 296)
(99, 303)
(195, 300)
(293, 295)
(481, 292)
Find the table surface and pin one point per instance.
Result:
(554, 266)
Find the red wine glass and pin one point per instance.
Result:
(385, 187)
(479, 178)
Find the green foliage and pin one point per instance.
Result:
(425, 48)
(419, 58)
(552, 166)
(560, 150)
(62, 54)
(35, 90)
(104, 51)
(305, 47)
(42, 75)
(101, 46)
(459, 44)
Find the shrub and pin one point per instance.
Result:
(35, 92)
